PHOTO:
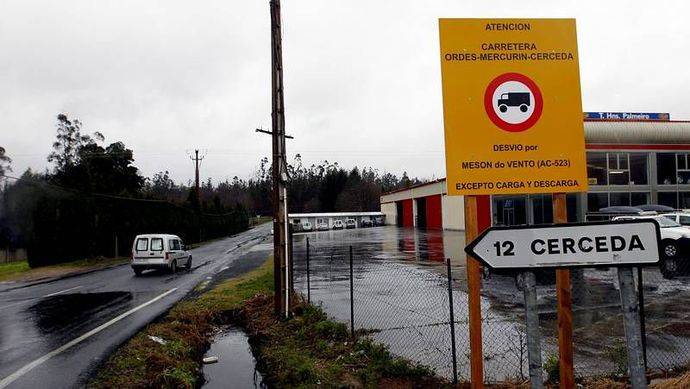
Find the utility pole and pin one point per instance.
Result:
(196, 159)
(280, 216)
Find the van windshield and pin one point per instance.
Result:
(156, 244)
(142, 244)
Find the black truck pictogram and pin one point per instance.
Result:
(514, 99)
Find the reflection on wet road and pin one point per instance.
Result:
(54, 334)
(401, 293)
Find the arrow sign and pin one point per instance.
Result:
(625, 242)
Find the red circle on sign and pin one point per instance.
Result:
(489, 107)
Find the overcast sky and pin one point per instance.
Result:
(362, 78)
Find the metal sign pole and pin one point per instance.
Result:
(533, 335)
(631, 320)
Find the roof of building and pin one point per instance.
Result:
(335, 214)
(637, 132)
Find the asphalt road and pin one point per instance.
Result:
(55, 334)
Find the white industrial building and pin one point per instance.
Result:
(297, 219)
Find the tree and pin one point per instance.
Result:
(4, 162)
(69, 139)
(82, 163)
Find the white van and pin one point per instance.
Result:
(159, 251)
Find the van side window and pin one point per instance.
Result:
(174, 244)
(685, 220)
(142, 244)
(156, 244)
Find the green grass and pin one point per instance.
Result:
(21, 270)
(13, 269)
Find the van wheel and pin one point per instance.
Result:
(523, 108)
(173, 266)
(137, 272)
(189, 263)
(503, 108)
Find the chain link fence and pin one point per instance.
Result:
(400, 296)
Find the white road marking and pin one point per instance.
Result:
(63, 291)
(26, 368)
(222, 268)
(36, 298)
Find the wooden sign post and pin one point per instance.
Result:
(477, 219)
(565, 305)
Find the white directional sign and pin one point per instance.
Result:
(629, 242)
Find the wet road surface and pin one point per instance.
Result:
(400, 291)
(55, 334)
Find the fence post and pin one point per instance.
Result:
(631, 321)
(452, 323)
(532, 324)
(643, 326)
(308, 280)
(352, 302)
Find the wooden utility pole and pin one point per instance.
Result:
(280, 222)
(196, 159)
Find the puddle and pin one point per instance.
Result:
(236, 366)
(62, 311)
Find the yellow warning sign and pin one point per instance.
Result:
(512, 106)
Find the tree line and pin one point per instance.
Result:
(92, 200)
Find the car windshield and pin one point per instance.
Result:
(666, 222)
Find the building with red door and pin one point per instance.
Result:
(629, 162)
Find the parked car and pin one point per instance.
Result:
(681, 218)
(323, 226)
(378, 221)
(306, 226)
(675, 244)
(338, 225)
(366, 223)
(350, 223)
(159, 251)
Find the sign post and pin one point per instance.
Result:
(513, 125)
(622, 244)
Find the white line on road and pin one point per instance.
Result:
(36, 298)
(63, 291)
(26, 368)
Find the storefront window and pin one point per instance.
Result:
(596, 168)
(510, 211)
(638, 198)
(683, 200)
(683, 168)
(616, 199)
(596, 201)
(668, 198)
(619, 172)
(638, 169)
(666, 169)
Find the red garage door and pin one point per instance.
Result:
(407, 215)
(434, 220)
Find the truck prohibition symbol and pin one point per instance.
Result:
(514, 99)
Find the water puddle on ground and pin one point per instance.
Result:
(236, 366)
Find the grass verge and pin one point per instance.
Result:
(305, 351)
(20, 271)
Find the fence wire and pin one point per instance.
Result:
(400, 295)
